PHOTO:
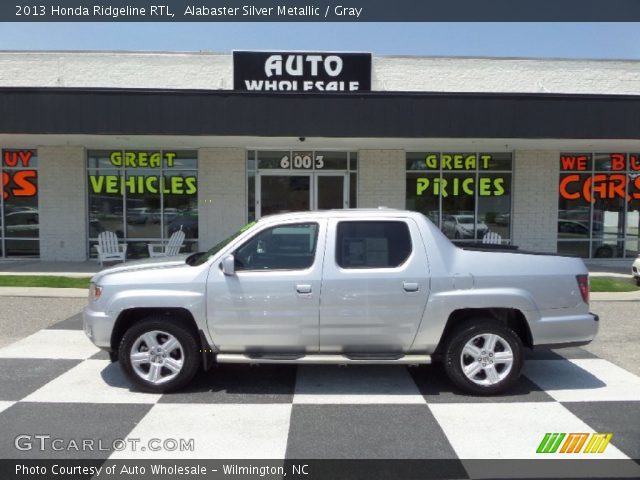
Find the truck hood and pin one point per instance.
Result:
(146, 264)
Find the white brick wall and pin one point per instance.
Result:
(116, 70)
(214, 71)
(381, 178)
(222, 194)
(535, 200)
(530, 75)
(62, 198)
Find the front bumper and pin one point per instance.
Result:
(98, 327)
(565, 330)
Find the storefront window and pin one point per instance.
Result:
(144, 196)
(466, 194)
(19, 218)
(599, 198)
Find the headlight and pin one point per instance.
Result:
(95, 291)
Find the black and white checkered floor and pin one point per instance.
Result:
(56, 382)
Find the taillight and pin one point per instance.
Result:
(583, 285)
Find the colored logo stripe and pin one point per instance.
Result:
(550, 442)
(574, 442)
(598, 442)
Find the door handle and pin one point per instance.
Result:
(303, 289)
(410, 286)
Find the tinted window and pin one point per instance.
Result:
(286, 247)
(372, 244)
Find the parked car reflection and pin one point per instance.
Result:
(142, 215)
(22, 224)
(462, 226)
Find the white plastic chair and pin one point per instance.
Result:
(172, 247)
(109, 249)
(492, 238)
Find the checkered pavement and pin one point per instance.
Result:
(56, 382)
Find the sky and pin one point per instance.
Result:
(557, 40)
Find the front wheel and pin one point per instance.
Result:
(484, 357)
(158, 354)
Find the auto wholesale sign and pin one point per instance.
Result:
(301, 72)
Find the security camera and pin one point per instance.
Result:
(302, 139)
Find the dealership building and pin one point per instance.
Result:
(543, 152)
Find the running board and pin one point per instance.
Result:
(316, 359)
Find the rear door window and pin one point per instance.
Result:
(372, 244)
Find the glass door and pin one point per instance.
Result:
(330, 191)
(281, 193)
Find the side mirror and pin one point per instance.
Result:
(229, 265)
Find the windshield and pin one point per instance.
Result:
(219, 246)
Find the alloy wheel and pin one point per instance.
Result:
(486, 359)
(157, 356)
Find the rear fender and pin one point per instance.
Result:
(441, 305)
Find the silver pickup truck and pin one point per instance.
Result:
(341, 287)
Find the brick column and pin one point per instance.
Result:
(381, 178)
(222, 194)
(62, 200)
(535, 200)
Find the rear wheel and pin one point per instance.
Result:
(484, 357)
(159, 355)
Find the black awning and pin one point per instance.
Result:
(375, 114)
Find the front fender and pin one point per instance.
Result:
(191, 301)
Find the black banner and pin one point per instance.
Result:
(301, 72)
(320, 11)
(315, 469)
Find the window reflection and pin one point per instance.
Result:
(466, 194)
(19, 215)
(599, 197)
(144, 196)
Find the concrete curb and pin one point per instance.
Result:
(615, 296)
(610, 274)
(44, 292)
(48, 274)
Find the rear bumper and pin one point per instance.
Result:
(566, 330)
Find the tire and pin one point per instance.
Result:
(638, 281)
(491, 377)
(173, 368)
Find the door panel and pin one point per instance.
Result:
(330, 191)
(263, 309)
(278, 193)
(284, 193)
(365, 307)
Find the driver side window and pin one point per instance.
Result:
(284, 247)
